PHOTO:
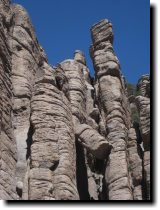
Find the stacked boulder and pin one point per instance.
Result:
(114, 108)
(143, 104)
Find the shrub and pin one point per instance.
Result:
(132, 90)
(135, 117)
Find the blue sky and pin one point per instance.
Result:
(62, 26)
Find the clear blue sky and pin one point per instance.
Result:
(62, 26)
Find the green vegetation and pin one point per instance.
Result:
(135, 116)
(129, 168)
(132, 90)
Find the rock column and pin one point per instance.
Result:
(83, 111)
(53, 157)
(111, 93)
(143, 104)
(26, 58)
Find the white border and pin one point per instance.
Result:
(156, 82)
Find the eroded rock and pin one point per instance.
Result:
(113, 105)
(63, 134)
(7, 141)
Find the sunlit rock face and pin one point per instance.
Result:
(63, 134)
(114, 105)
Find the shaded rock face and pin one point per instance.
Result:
(143, 105)
(7, 140)
(143, 85)
(63, 134)
(135, 163)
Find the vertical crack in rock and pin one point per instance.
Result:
(29, 141)
(82, 183)
(53, 148)
(82, 105)
(135, 152)
(88, 136)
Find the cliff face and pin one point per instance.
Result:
(143, 104)
(7, 140)
(63, 134)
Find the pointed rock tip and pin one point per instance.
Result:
(20, 8)
(144, 77)
(79, 51)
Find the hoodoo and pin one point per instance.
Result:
(63, 134)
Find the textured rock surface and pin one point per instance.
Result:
(63, 134)
(143, 104)
(143, 85)
(85, 127)
(53, 148)
(88, 136)
(7, 140)
(25, 61)
(111, 95)
(135, 163)
(92, 141)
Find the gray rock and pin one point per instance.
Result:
(53, 145)
(143, 105)
(63, 134)
(143, 85)
(135, 164)
(25, 63)
(7, 140)
(114, 106)
(93, 141)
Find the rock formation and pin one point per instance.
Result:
(114, 106)
(63, 134)
(143, 104)
(8, 153)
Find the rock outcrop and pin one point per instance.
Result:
(7, 141)
(25, 63)
(53, 148)
(135, 163)
(143, 104)
(63, 134)
(111, 96)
